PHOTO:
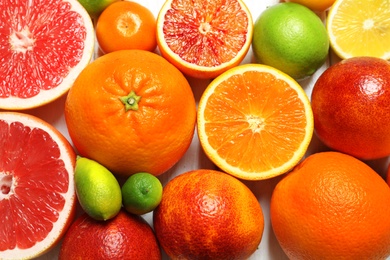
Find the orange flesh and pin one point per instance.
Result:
(212, 32)
(255, 121)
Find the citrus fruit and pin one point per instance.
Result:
(350, 106)
(291, 38)
(141, 193)
(96, 7)
(97, 189)
(357, 28)
(332, 206)
(43, 47)
(131, 111)
(37, 196)
(315, 5)
(204, 38)
(126, 236)
(126, 25)
(208, 214)
(254, 122)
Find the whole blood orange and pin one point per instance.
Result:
(126, 236)
(43, 47)
(207, 214)
(332, 206)
(350, 103)
(37, 195)
(131, 111)
(204, 38)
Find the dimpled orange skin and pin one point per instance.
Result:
(151, 138)
(332, 206)
(206, 214)
(350, 103)
(126, 236)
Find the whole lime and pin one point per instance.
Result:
(141, 193)
(97, 189)
(96, 7)
(291, 38)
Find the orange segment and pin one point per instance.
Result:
(354, 32)
(204, 38)
(255, 122)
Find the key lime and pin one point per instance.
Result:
(97, 189)
(96, 7)
(141, 193)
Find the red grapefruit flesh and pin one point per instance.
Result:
(43, 47)
(37, 196)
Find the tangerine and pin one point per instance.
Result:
(315, 5)
(207, 214)
(332, 206)
(126, 25)
(131, 111)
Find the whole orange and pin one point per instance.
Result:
(131, 111)
(332, 206)
(126, 236)
(207, 214)
(315, 5)
(126, 25)
(350, 103)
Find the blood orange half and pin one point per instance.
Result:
(37, 196)
(204, 38)
(43, 47)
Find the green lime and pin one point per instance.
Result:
(141, 193)
(96, 7)
(291, 38)
(97, 189)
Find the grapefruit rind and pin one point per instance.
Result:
(68, 212)
(355, 33)
(47, 96)
(194, 70)
(238, 172)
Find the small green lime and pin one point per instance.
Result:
(141, 193)
(97, 189)
(96, 7)
(291, 38)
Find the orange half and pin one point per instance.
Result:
(255, 122)
(204, 38)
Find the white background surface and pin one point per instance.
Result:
(195, 158)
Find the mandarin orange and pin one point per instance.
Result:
(131, 111)
(332, 206)
(350, 103)
(126, 25)
(208, 214)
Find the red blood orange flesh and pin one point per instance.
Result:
(43, 46)
(37, 196)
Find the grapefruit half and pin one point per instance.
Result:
(43, 47)
(37, 196)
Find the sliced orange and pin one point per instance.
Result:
(360, 28)
(204, 38)
(255, 122)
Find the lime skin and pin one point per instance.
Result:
(141, 193)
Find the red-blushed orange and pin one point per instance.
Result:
(207, 214)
